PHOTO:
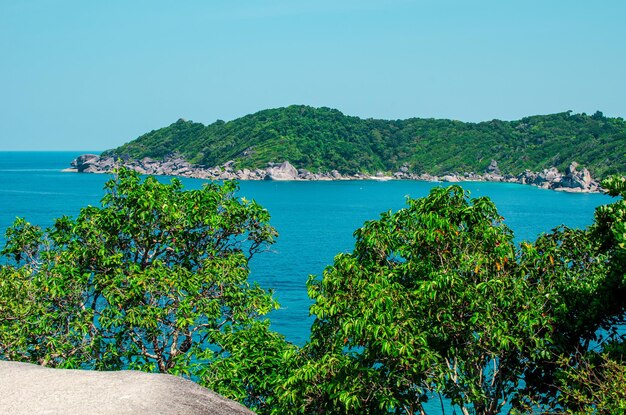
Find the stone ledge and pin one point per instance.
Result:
(31, 389)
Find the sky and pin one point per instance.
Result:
(92, 75)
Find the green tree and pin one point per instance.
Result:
(592, 384)
(586, 379)
(436, 300)
(431, 301)
(252, 367)
(583, 271)
(150, 280)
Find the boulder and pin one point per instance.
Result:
(450, 178)
(304, 174)
(335, 175)
(552, 175)
(31, 389)
(428, 178)
(285, 171)
(493, 168)
(227, 175)
(82, 162)
(243, 174)
(548, 178)
(571, 169)
(527, 177)
(575, 179)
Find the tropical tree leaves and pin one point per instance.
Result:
(436, 299)
(145, 281)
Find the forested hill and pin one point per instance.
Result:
(323, 139)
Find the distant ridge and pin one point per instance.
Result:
(324, 139)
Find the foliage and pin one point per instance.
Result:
(251, 368)
(594, 384)
(583, 272)
(431, 301)
(323, 139)
(146, 281)
(435, 302)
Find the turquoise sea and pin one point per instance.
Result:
(315, 220)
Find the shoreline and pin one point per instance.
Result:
(571, 181)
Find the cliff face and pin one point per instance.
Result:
(30, 389)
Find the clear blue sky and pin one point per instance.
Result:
(91, 75)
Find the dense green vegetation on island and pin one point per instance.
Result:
(323, 139)
(435, 302)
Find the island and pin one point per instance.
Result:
(564, 151)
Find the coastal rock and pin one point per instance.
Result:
(399, 175)
(548, 178)
(304, 174)
(527, 177)
(31, 389)
(492, 177)
(450, 178)
(175, 165)
(572, 180)
(285, 171)
(493, 168)
(551, 175)
(244, 174)
(575, 179)
(100, 165)
(336, 175)
(571, 169)
(82, 162)
(227, 175)
(428, 178)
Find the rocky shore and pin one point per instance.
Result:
(572, 180)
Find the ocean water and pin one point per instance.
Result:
(315, 220)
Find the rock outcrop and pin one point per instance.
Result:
(30, 389)
(572, 180)
(285, 171)
(493, 168)
(83, 162)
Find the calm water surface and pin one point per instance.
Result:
(315, 220)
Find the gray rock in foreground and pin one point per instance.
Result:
(30, 389)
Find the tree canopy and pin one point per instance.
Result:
(146, 281)
(323, 139)
(435, 302)
(431, 301)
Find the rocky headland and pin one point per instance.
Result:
(572, 180)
